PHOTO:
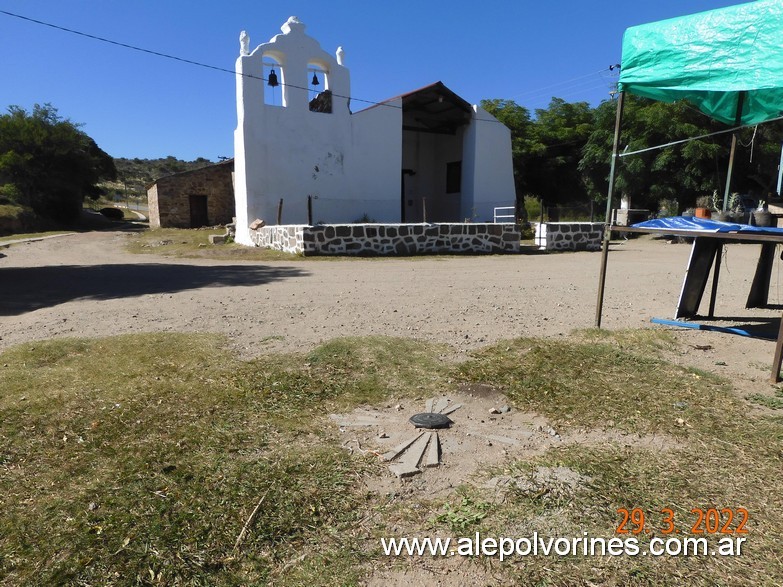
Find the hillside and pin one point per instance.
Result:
(136, 174)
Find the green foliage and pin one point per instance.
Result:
(51, 164)
(773, 402)
(546, 149)
(681, 172)
(467, 513)
(560, 133)
(10, 194)
(668, 207)
(533, 208)
(562, 153)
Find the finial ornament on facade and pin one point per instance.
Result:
(293, 25)
(244, 43)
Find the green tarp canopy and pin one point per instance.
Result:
(711, 59)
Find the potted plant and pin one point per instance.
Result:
(762, 216)
(718, 213)
(667, 207)
(734, 208)
(703, 207)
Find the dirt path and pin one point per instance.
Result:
(87, 285)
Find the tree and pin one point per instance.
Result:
(52, 164)
(680, 172)
(546, 150)
(559, 134)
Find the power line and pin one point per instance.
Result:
(698, 138)
(542, 89)
(261, 78)
(174, 57)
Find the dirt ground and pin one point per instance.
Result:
(88, 285)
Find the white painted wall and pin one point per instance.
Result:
(349, 163)
(375, 173)
(487, 172)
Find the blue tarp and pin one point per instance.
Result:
(704, 225)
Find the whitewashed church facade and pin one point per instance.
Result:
(425, 155)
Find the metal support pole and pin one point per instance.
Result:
(737, 122)
(280, 212)
(727, 191)
(309, 210)
(780, 170)
(599, 306)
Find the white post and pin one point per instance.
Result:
(780, 169)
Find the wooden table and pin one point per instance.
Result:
(706, 256)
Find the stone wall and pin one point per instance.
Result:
(169, 197)
(390, 239)
(569, 236)
(288, 238)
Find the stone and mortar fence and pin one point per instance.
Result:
(569, 236)
(390, 239)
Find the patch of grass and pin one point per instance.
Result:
(715, 476)
(194, 243)
(616, 382)
(467, 512)
(773, 402)
(341, 374)
(642, 340)
(723, 458)
(138, 460)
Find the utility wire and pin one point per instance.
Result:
(544, 88)
(174, 57)
(248, 75)
(681, 141)
(111, 42)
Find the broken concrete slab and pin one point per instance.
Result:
(451, 409)
(403, 471)
(401, 448)
(414, 453)
(432, 458)
(441, 404)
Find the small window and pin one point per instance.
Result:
(454, 177)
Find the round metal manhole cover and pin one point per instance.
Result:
(430, 420)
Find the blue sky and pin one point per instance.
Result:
(139, 105)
